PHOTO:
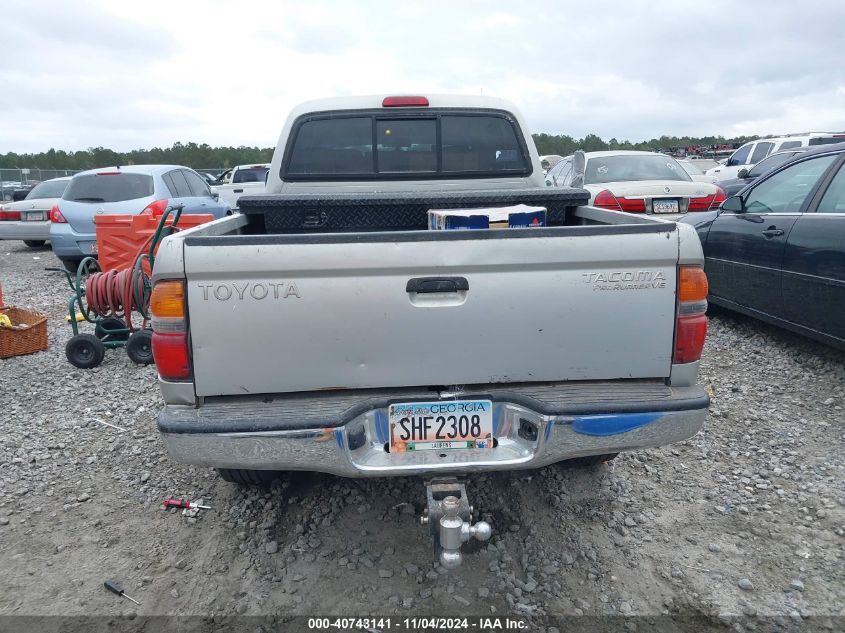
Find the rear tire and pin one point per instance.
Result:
(71, 265)
(245, 477)
(590, 460)
(35, 243)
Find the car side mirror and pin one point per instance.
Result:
(733, 204)
(215, 195)
(742, 173)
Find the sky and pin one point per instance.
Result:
(130, 75)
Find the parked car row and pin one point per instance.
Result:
(62, 210)
(776, 249)
(753, 152)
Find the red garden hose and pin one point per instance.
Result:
(112, 294)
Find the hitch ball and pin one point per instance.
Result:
(454, 531)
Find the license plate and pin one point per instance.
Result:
(35, 217)
(443, 425)
(664, 206)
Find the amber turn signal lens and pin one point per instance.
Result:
(168, 300)
(692, 285)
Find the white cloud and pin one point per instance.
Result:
(128, 75)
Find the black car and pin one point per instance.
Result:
(777, 251)
(745, 177)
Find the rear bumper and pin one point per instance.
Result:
(532, 429)
(68, 244)
(14, 230)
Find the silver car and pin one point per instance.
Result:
(118, 190)
(29, 219)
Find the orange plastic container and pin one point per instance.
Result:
(119, 237)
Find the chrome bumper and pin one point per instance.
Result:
(525, 438)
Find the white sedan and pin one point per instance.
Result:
(29, 219)
(639, 182)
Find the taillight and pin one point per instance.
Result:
(707, 203)
(701, 203)
(606, 200)
(691, 321)
(155, 208)
(9, 215)
(56, 216)
(170, 352)
(718, 199)
(170, 336)
(631, 205)
(404, 102)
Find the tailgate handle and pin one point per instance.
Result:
(423, 285)
(237, 190)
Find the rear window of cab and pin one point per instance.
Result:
(386, 146)
(109, 187)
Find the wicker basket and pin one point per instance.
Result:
(26, 340)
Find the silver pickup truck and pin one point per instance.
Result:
(326, 329)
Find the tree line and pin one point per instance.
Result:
(564, 145)
(193, 155)
(203, 155)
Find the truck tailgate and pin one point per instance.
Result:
(285, 313)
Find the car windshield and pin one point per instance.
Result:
(768, 164)
(251, 174)
(109, 187)
(635, 167)
(49, 189)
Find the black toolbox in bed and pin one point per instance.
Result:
(389, 211)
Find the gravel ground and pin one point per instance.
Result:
(741, 525)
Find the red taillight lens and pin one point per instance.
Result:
(170, 351)
(606, 200)
(700, 204)
(718, 199)
(404, 102)
(155, 208)
(707, 203)
(691, 322)
(689, 338)
(631, 205)
(9, 215)
(56, 216)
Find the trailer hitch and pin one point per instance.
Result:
(449, 516)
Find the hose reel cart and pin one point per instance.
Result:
(107, 299)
